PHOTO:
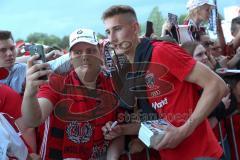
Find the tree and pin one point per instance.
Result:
(142, 29)
(64, 42)
(50, 40)
(181, 18)
(100, 36)
(36, 37)
(157, 19)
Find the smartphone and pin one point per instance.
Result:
(173, 19)
(38, 49)
(149, 29)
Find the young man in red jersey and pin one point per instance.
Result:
(75, 107)
(172, 80)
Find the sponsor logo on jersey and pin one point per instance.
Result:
(157, 105)
(79, 132)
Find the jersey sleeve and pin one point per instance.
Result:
(10, 101)
(174, 58)
(45, 91)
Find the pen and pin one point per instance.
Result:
(114, 124)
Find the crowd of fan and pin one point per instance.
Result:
(196, 66)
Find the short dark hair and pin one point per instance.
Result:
(119, 9)
(4, 35)
(235, 22)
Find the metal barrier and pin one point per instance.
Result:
(234, 138)
(222, 139)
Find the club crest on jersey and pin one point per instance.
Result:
(79, 132)
(150, 80)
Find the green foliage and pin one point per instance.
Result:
(50, 40)
(36, 37)
(100, 36)
(64, 42)
(142, 29)
(181, 18)
(157, 19)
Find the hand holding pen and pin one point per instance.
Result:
(111, 130)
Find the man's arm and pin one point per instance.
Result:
(35, 111)
(235, 59)
(116, 148)
(236, 41)
(22, 59)
(214, 88)
(49, 56)
(119, 130)
(220, 34)
(28, 134)
(61, 65)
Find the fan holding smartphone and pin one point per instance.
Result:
(38, 49)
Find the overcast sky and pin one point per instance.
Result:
(61, 17)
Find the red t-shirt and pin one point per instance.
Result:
(10, 101)
(71, 138)
(176, 99)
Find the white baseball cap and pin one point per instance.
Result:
(82, 35)
(192, 4)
